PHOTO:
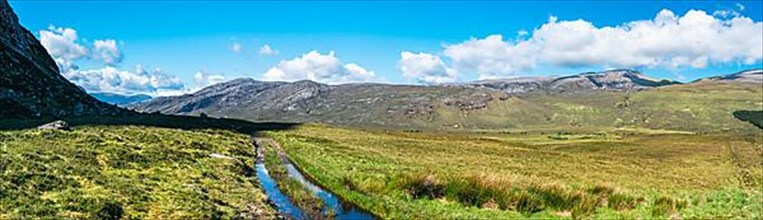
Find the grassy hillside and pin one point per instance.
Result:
(698, 107)
(701, 107)
(128, 171)
(606, 174)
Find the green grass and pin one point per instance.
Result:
(609, 173)
(128, 171)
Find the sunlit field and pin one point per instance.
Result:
(104, 172)
(606, 174)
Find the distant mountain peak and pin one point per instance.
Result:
(611, 80)
(744, 76)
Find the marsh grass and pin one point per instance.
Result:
(651, 174)
(486, 191)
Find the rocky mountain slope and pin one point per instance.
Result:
(748, 76)
(30, 83)
(611, 98)
(611, 80)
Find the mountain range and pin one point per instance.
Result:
(119, 99)
(607, 98)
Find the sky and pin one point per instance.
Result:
(174, 47)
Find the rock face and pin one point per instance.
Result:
(240, 94)
(515, 85)
(30, 83)
(56, 125)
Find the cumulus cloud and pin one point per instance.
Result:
(236, 47)
(425, 68)
(205, 79)
(492, 56)
(111, 79)
(318, 67)
(266, 50)
(696, 39)
(107, 51)
(62, 45)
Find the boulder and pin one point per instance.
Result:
(56, 125)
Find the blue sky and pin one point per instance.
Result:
(183, 38)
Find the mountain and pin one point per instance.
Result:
(612, 80)
(620, 98)
(30, 83)
(119, 99)
(748, 76)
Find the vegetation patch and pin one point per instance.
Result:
(489, 175)
(128, 172)
(754, 117)
(491, 192)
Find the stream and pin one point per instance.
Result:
(333, 204)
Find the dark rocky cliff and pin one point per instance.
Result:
(30, 83)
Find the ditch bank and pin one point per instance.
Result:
(334, 206)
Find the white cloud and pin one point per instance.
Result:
(236, 47)
(204, 79)
(318, 67)
(111, 79)
(491, 57)
(695, 40)
(61, 44)
(425, 68)
(64, 47)
(266, 50)
(740, 6)
(107, 51)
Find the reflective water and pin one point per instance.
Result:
(283, 203)
(333, 204)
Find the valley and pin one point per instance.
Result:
(314, 137)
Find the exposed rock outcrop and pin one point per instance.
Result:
(611, 80)
(56, 125)
(30, 83)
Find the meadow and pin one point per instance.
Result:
(609, 173)
(129, 172)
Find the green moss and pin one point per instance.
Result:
(127, 171)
